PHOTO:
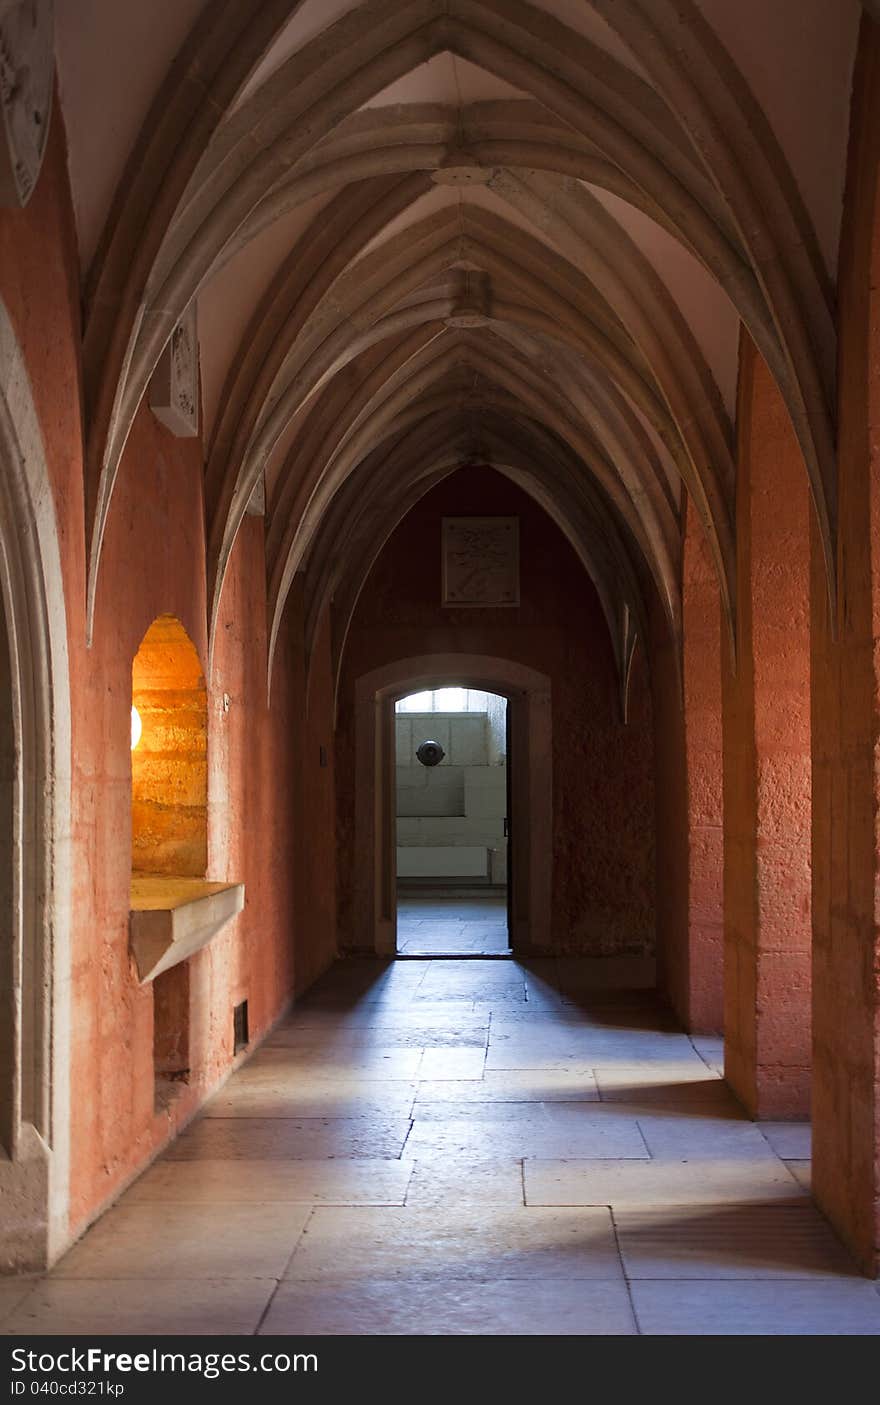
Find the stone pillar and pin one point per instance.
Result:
(701, 607)
(687, 746)
(767, 774)
(846, 728)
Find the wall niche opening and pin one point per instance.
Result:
(169, 759)
(240, 1034)
(169, 817)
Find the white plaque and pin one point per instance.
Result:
(480, 561)
(27, 73)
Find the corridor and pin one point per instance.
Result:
(477, 1147)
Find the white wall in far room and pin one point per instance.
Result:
(450, 817)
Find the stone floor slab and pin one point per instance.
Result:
(515, 1086)
(488, 1244)
(316, 1063)
(688, 1135)
(465, 1032)
(656, 1183)
(111, 1307)
(327, 1182)
(476, 1109)
(518, 1138)
(375, 1159)
(622, 1081)
(453, 1307)
(730, 1241)
(12, 1292)
(573, 1054)
(711, 1051)
(290, 1139)
(173, 1241)
(790, 1140)
(474, 1183)
(306, 1098)
(431, 1014)
(452, 1064)
(846, 1307)
(802, 1172)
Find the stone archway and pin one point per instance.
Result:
(528, 696)
(34, 838)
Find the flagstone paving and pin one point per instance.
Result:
(465, 1147)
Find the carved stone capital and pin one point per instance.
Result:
(174, 388)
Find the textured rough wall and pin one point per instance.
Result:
(767, 774)
(687, 732)
(672, 819)
(603, 782)
(846, 730)
(153, 564)
(314, 853)
(705, 635)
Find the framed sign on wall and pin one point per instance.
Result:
(480, 561)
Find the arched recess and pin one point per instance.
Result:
(169, 814)
(34, 838)
(531, 780)
(169, 763)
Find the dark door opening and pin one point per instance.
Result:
(452, 822)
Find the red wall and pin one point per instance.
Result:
(706, 634)
(767, 771)
(603, 793)
(687, 738)
(846, 728)
(260, 777)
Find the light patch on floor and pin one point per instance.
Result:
(427, 1147)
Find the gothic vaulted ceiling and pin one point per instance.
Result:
(423, 233)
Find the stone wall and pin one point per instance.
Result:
(264, 772)
(450, 817)
(603, 781)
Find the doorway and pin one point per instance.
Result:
(373, 923)
(452, 820)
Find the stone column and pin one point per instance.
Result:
(687, 745)
(703, 642)
(767, 776)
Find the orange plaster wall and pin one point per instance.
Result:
(315, 853)
(687, 713)
(153, 563)
(767, 770)
(846, 727)
(672, 820)
(705, 635)
(603, 771)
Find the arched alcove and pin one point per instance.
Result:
(174, 911)
(169, 760)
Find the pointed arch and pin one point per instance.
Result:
(35, 882)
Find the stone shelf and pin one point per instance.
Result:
(171, 918)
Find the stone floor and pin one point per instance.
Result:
(442, 1147)
(472, 926)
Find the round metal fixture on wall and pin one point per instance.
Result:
(430, 753)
